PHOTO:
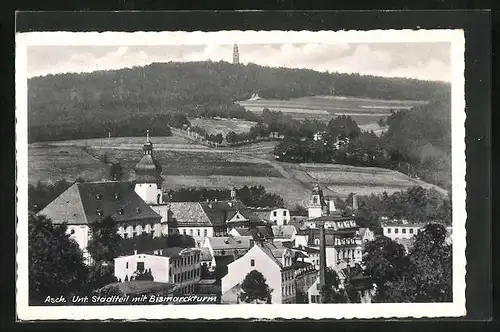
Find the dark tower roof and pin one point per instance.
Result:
(148, 169)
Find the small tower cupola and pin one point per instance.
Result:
(148, 175)
(317, 204)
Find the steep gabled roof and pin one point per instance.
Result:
(184, 214)
(85, 203)
(220, 211)
(273, 250)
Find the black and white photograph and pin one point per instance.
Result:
(278, 174)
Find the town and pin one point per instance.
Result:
(242, 254)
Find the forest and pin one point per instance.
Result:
(69, 106)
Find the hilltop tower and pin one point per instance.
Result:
(317, 204)
(148, 175)
(236, 55)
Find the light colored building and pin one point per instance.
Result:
(366, 235)
(279, 217)
(404, 233)
(274, 262)
(284, 233)
(312, 255)
(180, 266)
(227, 246)
(85, 203)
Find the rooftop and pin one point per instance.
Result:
(84, 203)
(230, 242)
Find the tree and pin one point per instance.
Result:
(333, 291)
(429, 274)
(385, 262)
(55, 262)
(105, 243)
(254, 287)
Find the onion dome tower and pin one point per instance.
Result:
(148, 178)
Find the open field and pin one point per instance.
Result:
(291, 192)
(223, 126)
(49, 164)
(323, 108)
(192, 165)
(344, 179)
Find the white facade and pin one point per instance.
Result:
(301, 240)
(281, 281)
(199, 234)
(81, 235)
(149, 192)
(280, 217)
(401, 231)
(183, 270)
(129, 231)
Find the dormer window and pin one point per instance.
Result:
(98, 197)
(117, 195)
(99, 212)
(119, 211)
(137, 210)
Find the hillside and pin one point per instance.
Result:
(195, 89)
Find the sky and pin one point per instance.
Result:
(425, 61)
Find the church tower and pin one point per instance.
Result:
(236, 55)
(317, 206)
(148, 175)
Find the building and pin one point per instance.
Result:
(274, 261)
(284, 233)
(259, 232)
(404, 233)
(236, 55)
(305, 275)
(342, 236)
(180, 266)
(279, 217)
(366, 235)
(311, 253)
(83, 204)
(203, 220)
(227, 246)
(148, 176)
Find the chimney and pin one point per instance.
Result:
(135, 252)
(322, 256)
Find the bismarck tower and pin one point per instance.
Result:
(236, 55)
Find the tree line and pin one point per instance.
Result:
(59, 105)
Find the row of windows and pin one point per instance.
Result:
(315, 299)
(189, 289)
(288, 290)
(403, 230)
(288, 275)
(186, 260)
(198, 232)
(349, 253)
(186, 275)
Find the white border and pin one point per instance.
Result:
(286, 311)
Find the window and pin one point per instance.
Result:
(140, 266)
(388, 231)
(72, 231)
(315, 199)
(126, 265)
(284, 213)
(191, 232)
(403, 230)
(205, 233)
(252, 262)
(125, 235)
(198, 232)
(184, 231)
(275, 213)
(396, 230)
(411, 230)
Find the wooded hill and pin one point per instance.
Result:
(194, 89)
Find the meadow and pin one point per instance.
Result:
(223, 126)
(51, 163)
